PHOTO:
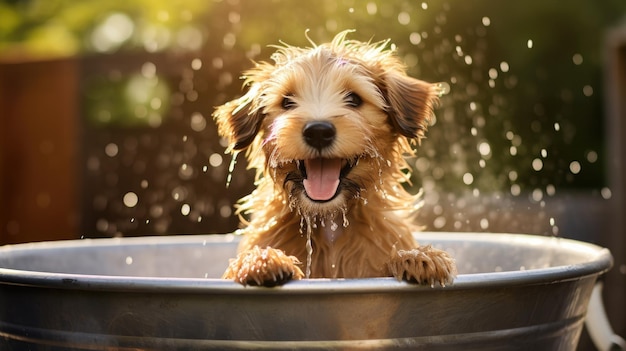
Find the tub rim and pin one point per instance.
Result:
(599, 261)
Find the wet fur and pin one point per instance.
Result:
(376, 239)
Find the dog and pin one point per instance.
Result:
(327, 129)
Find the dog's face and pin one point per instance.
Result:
(328, 125)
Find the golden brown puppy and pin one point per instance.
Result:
(327, 129)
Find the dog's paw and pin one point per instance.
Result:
(423, 265)
(263, 267)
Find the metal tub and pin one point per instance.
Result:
(516, 292)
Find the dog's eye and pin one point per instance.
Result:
(288, 102)
(353, 99)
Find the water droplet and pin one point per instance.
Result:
(537, 195)
(372, 9)
(404, 18)
(537, 164)
(185, 209)
(606, 193)
(493, 74)
(415, 38)
(197, 122)
(196, 64)
(439, 222)
(468, 178)
(484, 224)
(504, 66)
(215, 160)
(225, 211)
(102, 225)
(185, 171)
(592, 156)
(111, 150)
(575, 167)
(442, 88)
(516, 190)
(130, 199)
(484, 148)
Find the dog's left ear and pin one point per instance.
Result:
(239, 120)
(410, 103)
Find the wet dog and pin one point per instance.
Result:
(327, 129)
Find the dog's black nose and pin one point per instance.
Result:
(319, 134)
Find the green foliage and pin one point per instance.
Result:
(525, 76)
(66, 27)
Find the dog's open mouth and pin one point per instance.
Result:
(322, 176)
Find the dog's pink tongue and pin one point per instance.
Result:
(322, 178)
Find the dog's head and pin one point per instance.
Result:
(329, 124)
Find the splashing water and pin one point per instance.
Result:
(231, 168)
(460, 164)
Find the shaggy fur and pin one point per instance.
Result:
(327, 129)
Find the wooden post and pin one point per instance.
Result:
(615, 77)
(38, 151)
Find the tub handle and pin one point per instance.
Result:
(598, 326)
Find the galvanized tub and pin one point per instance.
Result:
(514, 292)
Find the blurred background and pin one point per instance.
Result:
(106, 128)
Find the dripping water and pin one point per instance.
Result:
(309, 247)
(333, 226)
(344, 212)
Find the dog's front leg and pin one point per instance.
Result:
(263, 267)
(423, 265)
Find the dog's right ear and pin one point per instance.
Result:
(239, 120)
